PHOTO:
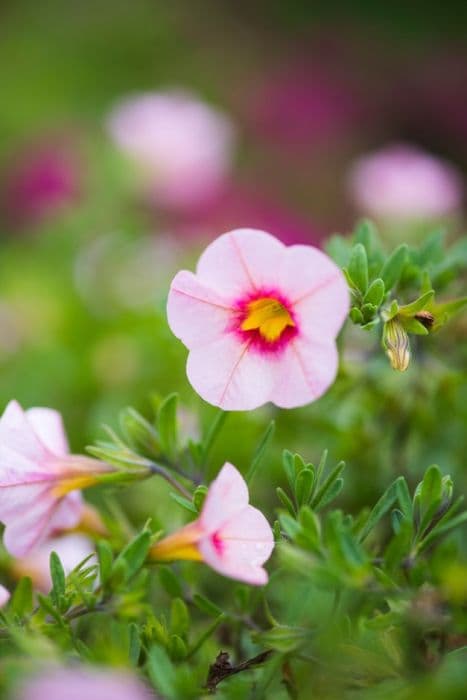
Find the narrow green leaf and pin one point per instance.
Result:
(403, 497)
(323, 490)
(381, 507)
(375, 293)
(418, 305)
(358, 267)
(285, 500)
(179, 618)
(135, 553)
(211, 435)
(184, 502)
(304, 486)
(393, 267)
(206, 605)
(134, 646)
(167, 425)
(170, 582)
(260, 451)
(21, 601)
(105, 557)
(57, 575)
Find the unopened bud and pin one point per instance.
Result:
(396, 344)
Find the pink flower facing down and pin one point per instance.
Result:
(39, 479)
(230, 536)
(4, 596)
(260, 320)
(79, 683)
(184, 145)
(402, 182)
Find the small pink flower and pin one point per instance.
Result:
(260, 320)
(72, 549)
(230, 536)
(184, 145)
(79, 683)
(402, 182)
(4, 596)
(39, 479)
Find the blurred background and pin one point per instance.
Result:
(133, 132)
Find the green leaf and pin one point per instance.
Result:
(431, 495)
(327, 485)
(394, 266)
(170, 582)
(418, 305)
(304, 486)
(285, 500)
(411, 325)
(134, 646)
(105, 557)
(199, 496)
(282, 638)
(184, 502)
(366, 234)
(206, 605)
(58, 578)
(21, 601)
(177, 647)
(162, 672)
(403, 496)
(211, 435)
(382, 506)
(179, 618)
(140, 434)
(442, 528)
(333, 492)
(288, 463)
(375, 293)
(358, 267)
(445, 311)
(135, 553)
(290, 526)
(167, 424)
(260, 451)
(356, 315)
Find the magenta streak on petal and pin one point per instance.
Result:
(217, 543)
(254, 338)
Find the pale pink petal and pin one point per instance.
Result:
(196, 313)
(26, 512)
(78, 683)
(17, 433)
(240, 262)
(227, 495)
(4, 596)
(67, 513)
(229, 374)
(308, 369)
(48, 426)
(308, 276)
(240, 547)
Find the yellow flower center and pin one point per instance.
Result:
(269, 317)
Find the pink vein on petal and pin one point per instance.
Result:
(238, 250)
(203, 301)
(308, 379)
(234, 369)
(316, 288)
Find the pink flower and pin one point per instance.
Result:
(39, 479)
(4, 596)
(184, 145)
(405, 183)
(43, 179)
(72, 549)
(260, 320)
(79, 683)
(230, 536)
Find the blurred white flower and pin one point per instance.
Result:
(184, 146)
(402, 182)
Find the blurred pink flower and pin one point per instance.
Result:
(305, 104)
(44, 178)
(260, 320)
(4, 596)
(184, 145)
(80, 683)
(231, 536)
(71, 549)
(241, 203)
(402, 182)
(39, 479)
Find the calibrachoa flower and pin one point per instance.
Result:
(230, 536)
(402, 182)
(184, 145)
(79, 683)
(39, 478)
(72, 549)
(4, 596)
(260, 320)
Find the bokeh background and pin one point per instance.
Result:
(87, 256)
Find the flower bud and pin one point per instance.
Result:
(396, 344)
